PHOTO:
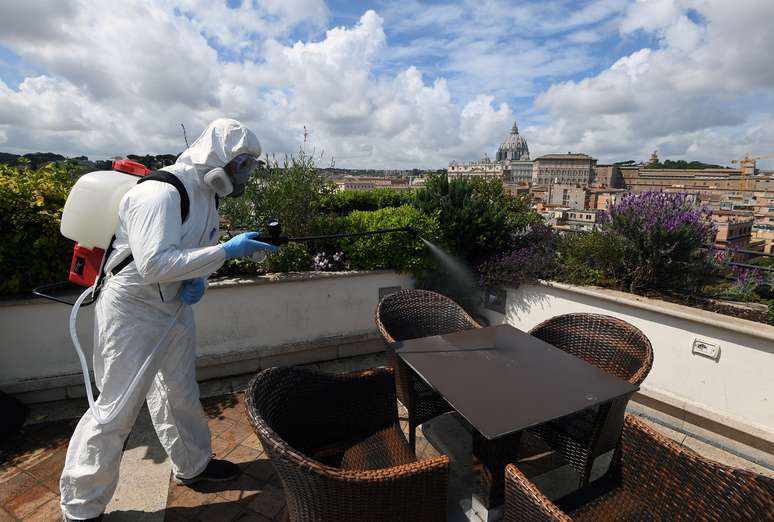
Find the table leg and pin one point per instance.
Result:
(489, 460)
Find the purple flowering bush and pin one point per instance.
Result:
(746, 283)
(533, 257)
(663, 234)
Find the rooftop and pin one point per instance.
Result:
(32, 462)
(709, 388)
(568, 156)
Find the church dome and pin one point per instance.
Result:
(514, 147)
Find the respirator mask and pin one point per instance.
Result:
(232, 179)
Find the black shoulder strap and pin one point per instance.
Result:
(168, 177)
(185, 205)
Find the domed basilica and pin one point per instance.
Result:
(511, 164)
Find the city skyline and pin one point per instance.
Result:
(380, 85)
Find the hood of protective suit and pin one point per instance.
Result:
(221, 141)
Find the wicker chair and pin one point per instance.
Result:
(659, 480)
(338, 449)
(410, 314)
(611, 345)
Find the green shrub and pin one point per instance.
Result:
(397, 251)
(594, 258)
(477, 217)
(292, 257)
(291, 192)
(343, 202)
(32, 251)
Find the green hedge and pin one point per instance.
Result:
(397, 251)
(32, 251)
(343, 202)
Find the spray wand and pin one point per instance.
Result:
(275, 237)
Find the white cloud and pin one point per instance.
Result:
(696, 95)
(121, 81)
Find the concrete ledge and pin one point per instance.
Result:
(215, 366)
(732, 429)
(698, 315)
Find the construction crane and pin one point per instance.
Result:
(747, 166)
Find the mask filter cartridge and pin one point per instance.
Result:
(219, 181)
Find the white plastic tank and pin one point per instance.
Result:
(90, 214)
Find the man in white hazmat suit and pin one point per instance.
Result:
(171, 261)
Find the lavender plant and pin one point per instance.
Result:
(663, 235)
(746, 282)
(533, 258)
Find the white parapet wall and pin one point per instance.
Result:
(736, 390)
(242, 325)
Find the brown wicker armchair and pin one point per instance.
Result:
(410, 314)
(338, 449)
(660, 480)
(611, 345)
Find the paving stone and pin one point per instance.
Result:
(219, 424)
(269, 502)
(27, 501)
(222, 447)
(261, 469)
(221, 510)
(251, 517)
(47, 512)
(30, 457)
(15, 486)
(7, 472)
(185, 497)
(243, 455)
(241, 489)
(253, 442)
(49, 470)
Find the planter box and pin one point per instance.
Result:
(731, 394)
(243, 325)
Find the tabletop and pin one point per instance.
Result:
(503, 380)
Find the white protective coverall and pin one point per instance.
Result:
(133, 311)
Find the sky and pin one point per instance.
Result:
(393, 85)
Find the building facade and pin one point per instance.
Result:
(568, 196)
(564, 169)
(734, 231)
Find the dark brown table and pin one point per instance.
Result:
(503, 381)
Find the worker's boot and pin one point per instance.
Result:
(216, 471)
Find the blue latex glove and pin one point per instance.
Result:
(245, 245)
(192, 290)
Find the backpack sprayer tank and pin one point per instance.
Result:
(90, 216)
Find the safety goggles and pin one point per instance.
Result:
(241, 167)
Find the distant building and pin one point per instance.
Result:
(511, 163)
(483, 168)
(568, 196)
(706, 182)
(734, 230)
(607, 176)
(361, 183)
(605, 199)
(564, 169)
(579, 220)
(514, 148)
